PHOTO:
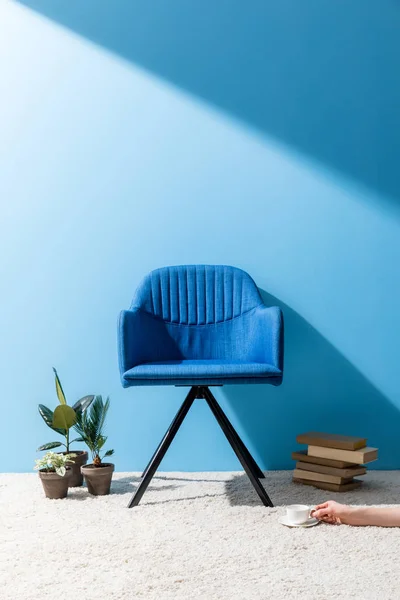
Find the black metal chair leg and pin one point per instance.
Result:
(158, 448)
(152, 458)
(159, 445)
(223, 418)
(162, 448)
(265, 499)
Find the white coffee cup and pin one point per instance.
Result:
(298, 513)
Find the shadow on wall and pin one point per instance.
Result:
(321, 391)
(321, 76)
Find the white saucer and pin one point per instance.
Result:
(309, 523)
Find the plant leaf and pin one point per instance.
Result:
(80, 426)
(82, 404)
(101, 410)
(109, 453)
(61, 471)
(47, 416)
(96, 418)
(49, 446)
(101, 440)
(89, 425)
(64, 416)
(59, 390)
(78, 439)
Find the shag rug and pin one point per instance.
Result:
(194, 535)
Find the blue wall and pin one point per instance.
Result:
(264, 135)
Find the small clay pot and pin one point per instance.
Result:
(54, 485)
(98, 479)
(80, 459)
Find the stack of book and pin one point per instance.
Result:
(331, 462)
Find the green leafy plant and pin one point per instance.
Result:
(90, 424)
(52, 462)
(63, 417)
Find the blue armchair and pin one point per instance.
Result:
(200, 326)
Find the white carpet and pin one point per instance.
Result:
(195, 535)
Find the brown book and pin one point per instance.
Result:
(310, 475)
(331, 440)
(356, 457)
(344, 473)
(331, 487)
(302, 455)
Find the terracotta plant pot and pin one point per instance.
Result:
(98, 479)
(80, 459)
(54, 485)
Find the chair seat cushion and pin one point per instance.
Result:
(201, 369)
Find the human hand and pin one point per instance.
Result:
(331, 512)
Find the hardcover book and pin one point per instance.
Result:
(331, 487)
(331, 440)
(303, 456)
(324, 477)
(356, 457)
(344, 473)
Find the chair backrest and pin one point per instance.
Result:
(197, 294)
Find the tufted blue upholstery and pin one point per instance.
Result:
(197, 294)
(199, 325)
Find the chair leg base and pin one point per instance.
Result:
(224, 421)
(248, 463)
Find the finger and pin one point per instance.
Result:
(313, 510)
(320, 506)
(329, 519)
(320, 514)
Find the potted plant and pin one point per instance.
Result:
(54, 472)
(89, 425)
(61, 421)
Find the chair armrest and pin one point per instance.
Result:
(129, 327)
(268, 336)
(143, 338)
